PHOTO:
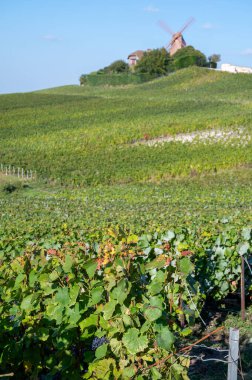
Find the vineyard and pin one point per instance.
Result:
(113, 254)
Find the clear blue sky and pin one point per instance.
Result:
(46, 43)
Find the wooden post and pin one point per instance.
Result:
(242, 289)
(233, 355)
(22, 170)
(18, 171)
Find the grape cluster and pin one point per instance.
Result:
(97, 342)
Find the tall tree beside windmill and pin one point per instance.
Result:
(177, 41)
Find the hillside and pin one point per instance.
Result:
(85, 135)
(126, 244)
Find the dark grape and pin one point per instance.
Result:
(97, 342)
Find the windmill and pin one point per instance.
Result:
(177, 41)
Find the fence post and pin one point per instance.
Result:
(233, 354)
(242, 289)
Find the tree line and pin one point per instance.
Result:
(159, 62)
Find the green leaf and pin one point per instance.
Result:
(68, 264)
(246, 233)
(32, 277)
(168, 236)
(42, 333)
(134, 342)
(109, 309)
(185, 332)
(156, 263)
(91, 267)
(101, 368)
(101, 351)
(20, 277)
(152, 313)
(155, 374)
(92, 320)
(74, 314)
(26, 304)
(165, 338)
(73, 293)
(243, 249)
(116, 346)
(96, 295)
(120, 292)
(185, 265)
(62, 296)
(54, 275)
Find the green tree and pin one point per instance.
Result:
(213, 59)
(188, 56)
(157, 61)
(116, 67)
(83, 79)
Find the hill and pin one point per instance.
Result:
(138, 216)
(85, 134)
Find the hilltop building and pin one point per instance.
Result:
(134, 57)
(236, 69)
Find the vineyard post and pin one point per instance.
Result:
(233, 354)
(18, 171)
(22, 175)
(6, 170)
(242, 289)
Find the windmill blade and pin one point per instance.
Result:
(164, 26)
(187, 24)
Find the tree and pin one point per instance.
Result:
(116, 67)
(188, 56)
(213, 59)
(83, 79)
(155, 61)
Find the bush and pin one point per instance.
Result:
(188, 56)
(154, 62)
(9, 188)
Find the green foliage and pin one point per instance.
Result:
(116, 67)
(115, 79)
(126, 291)
(188, 56)
(155, 61)
(214, 58)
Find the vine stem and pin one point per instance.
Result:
(7, 374)
(184, 349)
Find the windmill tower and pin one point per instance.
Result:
(177, 41)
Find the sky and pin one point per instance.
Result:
(49, 43)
